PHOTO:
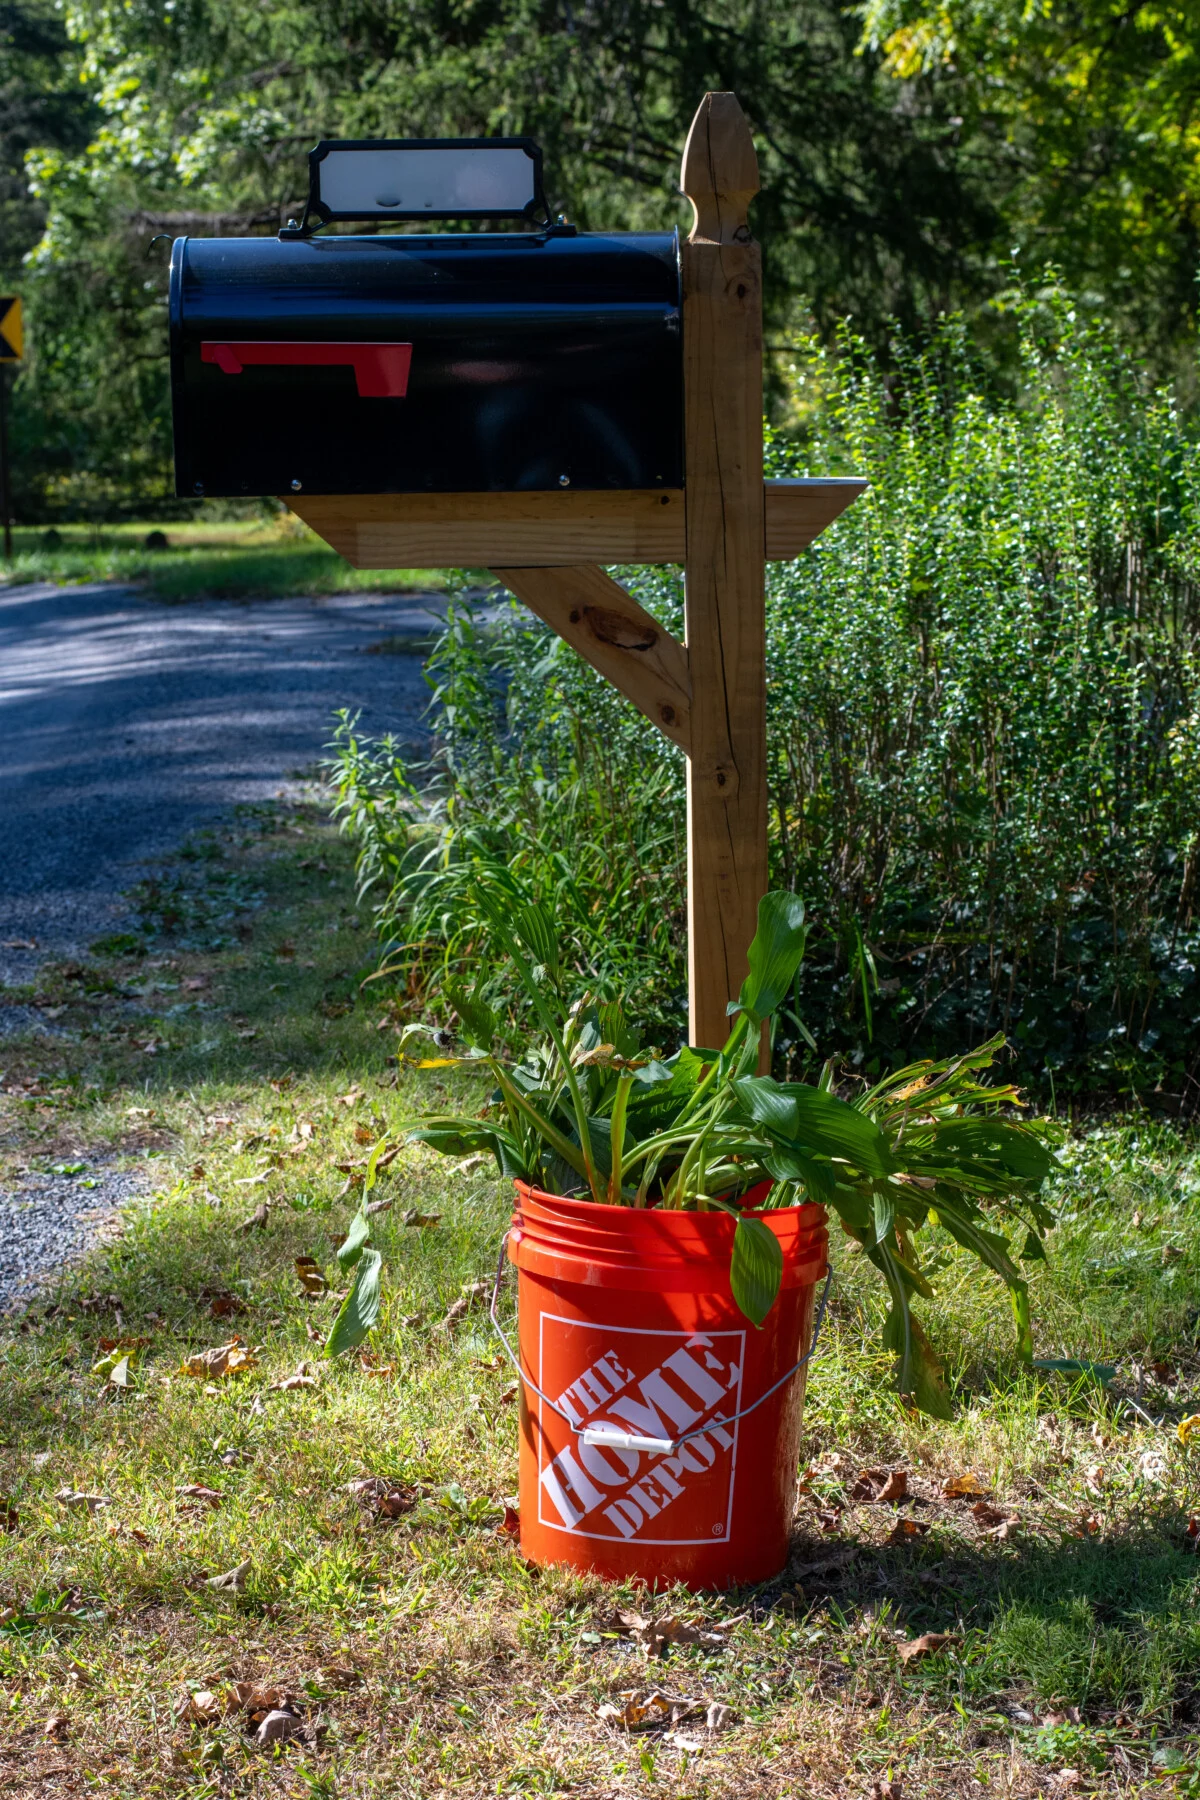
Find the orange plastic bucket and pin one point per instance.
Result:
(629, 1328)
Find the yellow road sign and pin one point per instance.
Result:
(12, 335)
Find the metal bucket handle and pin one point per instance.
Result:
(607, 1436)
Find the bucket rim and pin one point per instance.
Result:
(602, 1211)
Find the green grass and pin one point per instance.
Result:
(223, 1049)
(258, 558)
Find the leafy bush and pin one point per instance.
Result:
(984, 737)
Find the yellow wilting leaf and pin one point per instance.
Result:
(963, 1487)
(311, 1278)
(1188, 1429)
(438, 1062)
(233, 1358)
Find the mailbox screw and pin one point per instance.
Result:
(564, 481)
(295, 487)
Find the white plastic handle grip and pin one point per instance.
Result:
(607, 1437)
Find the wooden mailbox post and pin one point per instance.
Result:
(708, 694)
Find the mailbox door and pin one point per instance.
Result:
(466, 362)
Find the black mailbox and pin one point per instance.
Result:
(471, 361)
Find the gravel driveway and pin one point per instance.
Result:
(127, 722)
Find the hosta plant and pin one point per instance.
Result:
(589, 1111)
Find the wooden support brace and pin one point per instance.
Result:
(551, 530)
(617, 636)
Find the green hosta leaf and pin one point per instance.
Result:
(1033, 1249)
(793, 1165)
(920, 1373)
(756, 1270)
(1070, 1365)
(885, 1215)
(802, 1117)
(478, 1020)
(1009, 1148)
(356, 1238)
(535, 928)
(775, 954)
(360, 1308)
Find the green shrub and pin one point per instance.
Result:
(984, 735)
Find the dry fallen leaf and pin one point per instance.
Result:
(963, 1487)
(473, 1293)
(907, 1531)
(926, 1645)
(1087, 1525)
(874, 1486)
(56, 1727)
(259, 1217)
(202, 1708)
(233, 1358)
(302, 1378)
(719, 1717)
(249, 1697)
(657, 1635)
(638, 1710)
(419, 1221)
(233, 1581)
(196, 1494)
(93, 1502)
(131, 1531)
(221, 1306)
(886, 1790)
(312, 1280)
(993, 1520)
(276, 1727)
(388, 1499)
(339, 1675)
(1094, 1478)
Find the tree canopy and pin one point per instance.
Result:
(903, 152)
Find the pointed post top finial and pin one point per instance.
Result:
(720, 171)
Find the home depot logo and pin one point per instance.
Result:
(658, 1384)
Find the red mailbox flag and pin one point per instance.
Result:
(380, 370)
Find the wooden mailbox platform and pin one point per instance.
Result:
(708, 694)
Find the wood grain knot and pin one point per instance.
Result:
(613, 628)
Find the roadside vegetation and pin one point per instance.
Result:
(983, 740)
(201, 1533)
